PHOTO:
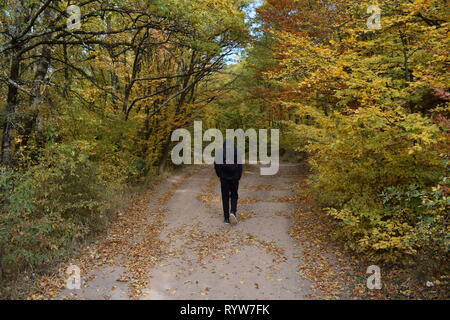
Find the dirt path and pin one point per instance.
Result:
(203, 258)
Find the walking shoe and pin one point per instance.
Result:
(233, 219)
(226, 221)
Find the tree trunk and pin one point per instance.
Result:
(33, 121)
(164, 155)
(41, 73)
(10, 114)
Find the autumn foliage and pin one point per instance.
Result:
(87, 112)
(370, 108)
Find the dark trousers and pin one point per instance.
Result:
(229, 192)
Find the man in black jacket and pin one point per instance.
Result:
(229, 170)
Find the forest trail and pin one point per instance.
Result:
(202, 257)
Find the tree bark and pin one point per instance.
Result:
(10, 113)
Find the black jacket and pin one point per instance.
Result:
(228, 171)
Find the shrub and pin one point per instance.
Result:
(376, 171)
(51, 206)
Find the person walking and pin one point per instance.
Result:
(228, 167)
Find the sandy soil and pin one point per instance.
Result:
(206, 259)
